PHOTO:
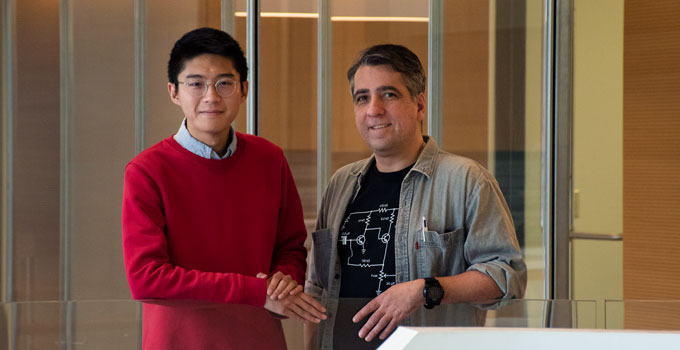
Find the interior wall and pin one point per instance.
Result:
(651, 160)
(596, 265)
(100, 142)
(465, 98)
(288, 71)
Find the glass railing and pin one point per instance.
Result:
(117, 324)
(101, 324)
(661, 315)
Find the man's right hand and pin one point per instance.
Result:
(300, 306)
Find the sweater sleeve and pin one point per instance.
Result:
(289, 251)
(150, 273)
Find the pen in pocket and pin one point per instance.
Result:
(424, 227)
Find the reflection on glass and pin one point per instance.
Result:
(287, 91)
(501, 313)
(99, 142)
(35, 140)
(642, 314)
(165, 22)
(357, 25)
(492, 106)
(116, 324)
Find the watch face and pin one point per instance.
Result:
(435, 292)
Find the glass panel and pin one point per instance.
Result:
(71, 325)
(288, 73)
(100, 142)
(167, 21)
(117, 324)
(597, 202)
(35, 138)
(516, 313)
(642, 314)
(492, 106)
(357, 25)
(626, 137)
(240, 19)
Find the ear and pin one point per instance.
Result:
(172, 90)
(420, 102)
(244, 91)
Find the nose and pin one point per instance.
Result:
(376, 107)
(211, 94)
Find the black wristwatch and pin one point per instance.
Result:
(433, 292)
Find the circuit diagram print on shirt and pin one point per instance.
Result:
(368, 235)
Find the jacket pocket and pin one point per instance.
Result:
(440, 254)
(322, 245)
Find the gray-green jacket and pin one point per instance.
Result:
(469, 228)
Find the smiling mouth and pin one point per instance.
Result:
(381, 126)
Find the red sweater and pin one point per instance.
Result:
(201, 229)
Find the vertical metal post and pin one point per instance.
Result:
(324, 90)
(491, 101)
(14, 320)
(65, 99)
(563, 147)
(227, 20)
(140, 107)
(7, 145)
(435, 69)
(547, 168)
(253, 47)
(65, 92)
(140, 81)
(557, 145)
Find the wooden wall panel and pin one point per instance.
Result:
(651, 160)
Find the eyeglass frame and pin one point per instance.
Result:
(207, 85)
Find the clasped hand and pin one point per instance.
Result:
(285, 297)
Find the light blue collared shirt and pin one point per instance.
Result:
(184, 138)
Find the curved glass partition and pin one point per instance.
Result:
(117, 324)
(642, 314)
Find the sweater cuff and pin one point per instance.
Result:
(254, 291)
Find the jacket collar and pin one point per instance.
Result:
(424, 164)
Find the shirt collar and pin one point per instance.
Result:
(193, 145)
(424, 163)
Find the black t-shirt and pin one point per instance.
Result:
(366, 239)
(366, 251)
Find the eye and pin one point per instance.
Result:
(226, 83)
(360, 99)
(196, 84)
(389, 94)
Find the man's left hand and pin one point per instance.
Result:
(390, 308)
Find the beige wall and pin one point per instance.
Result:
(597, 272)
(598, 116)
(533, 131)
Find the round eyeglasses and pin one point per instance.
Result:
(198, 88)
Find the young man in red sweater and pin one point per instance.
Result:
(213, 215)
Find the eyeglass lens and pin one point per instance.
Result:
(224, 87)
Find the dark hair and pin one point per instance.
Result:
(206, 41)
(400, 58)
